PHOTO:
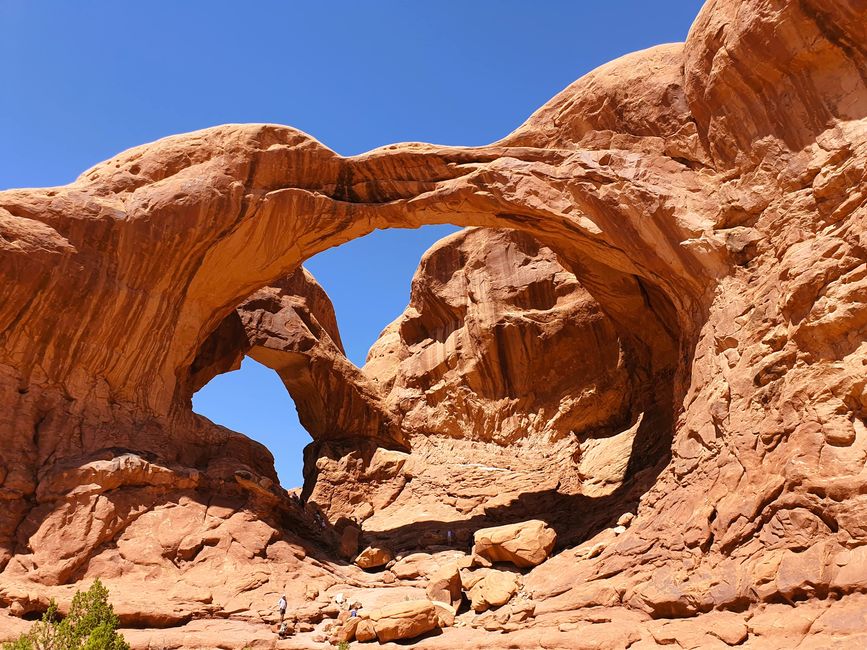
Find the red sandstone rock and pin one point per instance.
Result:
(531, 320)
(445, 613)
(365, 631)
(372, 557)
(347, 630)
(677, 331)
(488, 588)
(349, 541)
(445, 585)
(405, 620)
(525, 544)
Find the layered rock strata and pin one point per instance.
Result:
(513, 391)
(709, 196)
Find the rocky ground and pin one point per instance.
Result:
(645, 358)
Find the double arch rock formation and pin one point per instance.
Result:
(709, 196)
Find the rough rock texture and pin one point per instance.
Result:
(707, 200)
(525, 544)
(511, 387)
(500, 342)
(488, 588)
(405, 620)
(373, 557)
(444, 585)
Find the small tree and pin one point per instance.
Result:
(90, 625)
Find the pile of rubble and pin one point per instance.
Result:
(486, 584)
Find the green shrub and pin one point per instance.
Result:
(90, 625)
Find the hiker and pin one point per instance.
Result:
(281, 604)
(450, 537)
(283, 632)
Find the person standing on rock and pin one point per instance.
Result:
(281, 605)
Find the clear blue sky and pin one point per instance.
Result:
(82, 81)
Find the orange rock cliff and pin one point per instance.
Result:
(626, 408)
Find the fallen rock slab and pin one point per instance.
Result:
(405, 620)
(487, 588)
(525, 544)
(373, 557)
(445, 585)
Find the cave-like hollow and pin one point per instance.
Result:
(613, 341)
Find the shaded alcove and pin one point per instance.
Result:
(332, 395)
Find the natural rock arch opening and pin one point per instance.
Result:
(289, 226)
(251, 203)
(544, 364)
(252, 399)
(368, 282)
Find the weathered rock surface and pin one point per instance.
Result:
(445, 585)
(488, 588)
(405, 620)
(534, 321)
(525, 544)
(372, 557)
(500, 342)
(677, 331)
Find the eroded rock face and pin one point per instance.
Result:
(500, 342)
(709, 196)
(525, 544)
(506, 379)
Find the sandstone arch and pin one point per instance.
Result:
(709, 195)
(255, 200)
(244, 224)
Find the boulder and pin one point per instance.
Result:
(365, 630)
(487, 588)
(445, 613)
(346, 632)
(405, 620)
(445, 585)
(349, 541)
(373, 557)
(525, 544)
(625, 519)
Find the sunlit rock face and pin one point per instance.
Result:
(502, 362)
(499, 343)
(512, 391)
(708, 198)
